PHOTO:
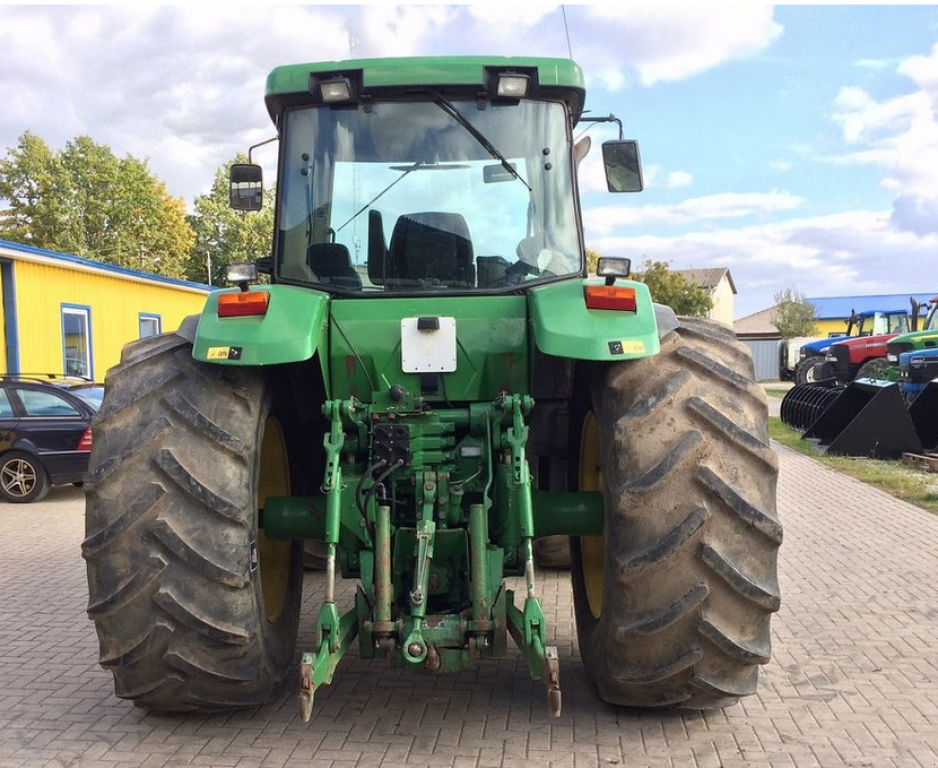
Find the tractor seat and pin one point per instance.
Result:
(332, 265)
(431, 249)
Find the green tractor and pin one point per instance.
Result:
(430, 382)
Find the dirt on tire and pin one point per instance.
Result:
(172, 538)
(692, 533)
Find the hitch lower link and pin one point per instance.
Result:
(526, 626)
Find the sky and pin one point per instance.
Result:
(795, 145)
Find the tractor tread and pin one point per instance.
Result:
(127, 590)
(100, 473)
(164, 532)
(742, 384)
(153, 639)
(748, 513)
(665, 671)
(203, 425)
(746, 587)
(748, 653)
(170, 521)
(748, 441)
(141, 507)
(191, 666)
(656, 621)
(724, 690)
(691, 533)
(679, 454)
(200, 621)
(186, 480)
(119, 403)
(666, 547)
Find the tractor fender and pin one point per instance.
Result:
(291, 330)
(564, 327)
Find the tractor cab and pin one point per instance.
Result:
(926, 338)
(396, 179)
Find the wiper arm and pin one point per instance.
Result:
(377, 197)
(447, 106)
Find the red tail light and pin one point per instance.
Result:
(85, 443)
(243, 303)
(610, 297)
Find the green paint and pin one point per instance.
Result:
(491, 355)
(567, 514)
(426, 70)
(564, 327)
(290, 331)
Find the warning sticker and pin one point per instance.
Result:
(626, 347)
(224, 353)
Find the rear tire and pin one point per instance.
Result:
(804, 373)
(23, 479)
(874, 369)
(687, 566)
(552, 552)
(176, 564)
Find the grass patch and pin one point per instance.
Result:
(779, 393)
(913, 485)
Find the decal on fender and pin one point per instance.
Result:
(224, 353)
(626, 347)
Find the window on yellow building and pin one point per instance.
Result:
(150, 325)
(76, 341)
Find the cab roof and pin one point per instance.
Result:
(560, 79)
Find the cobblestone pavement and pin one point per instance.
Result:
(853, 681)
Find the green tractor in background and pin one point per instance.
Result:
(429, 383)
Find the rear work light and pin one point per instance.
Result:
(243, 303)
(610, 297)
(85, 443)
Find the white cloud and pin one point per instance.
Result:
(183, 86)
(665, 43)
(901, 135)
(780, 165)
(604, 219)
(679, 179)
(854, 253)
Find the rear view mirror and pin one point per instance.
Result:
(246, 192)
(623, 166)
(492, 174)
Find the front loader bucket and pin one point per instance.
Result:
(868, 418)
(804, 403)
(924, 415)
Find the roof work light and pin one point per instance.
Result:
(511, 85)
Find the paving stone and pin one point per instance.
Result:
(853, 680)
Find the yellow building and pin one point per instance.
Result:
(65, 314)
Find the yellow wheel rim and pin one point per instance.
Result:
(274, 556)
(592, 548)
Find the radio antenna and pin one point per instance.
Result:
(566, 29)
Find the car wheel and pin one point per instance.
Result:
(22, 478)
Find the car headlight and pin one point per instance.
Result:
(892, 358)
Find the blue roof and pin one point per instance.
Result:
(73, 259)
(833, 307)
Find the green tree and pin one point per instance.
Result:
(34, 186)
(592, 260)
(86, 200)
(794, 315)
(226, 236)
(672, 288)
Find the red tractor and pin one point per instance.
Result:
(863, 357)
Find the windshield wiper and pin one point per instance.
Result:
(447, 106)
(377, 197)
